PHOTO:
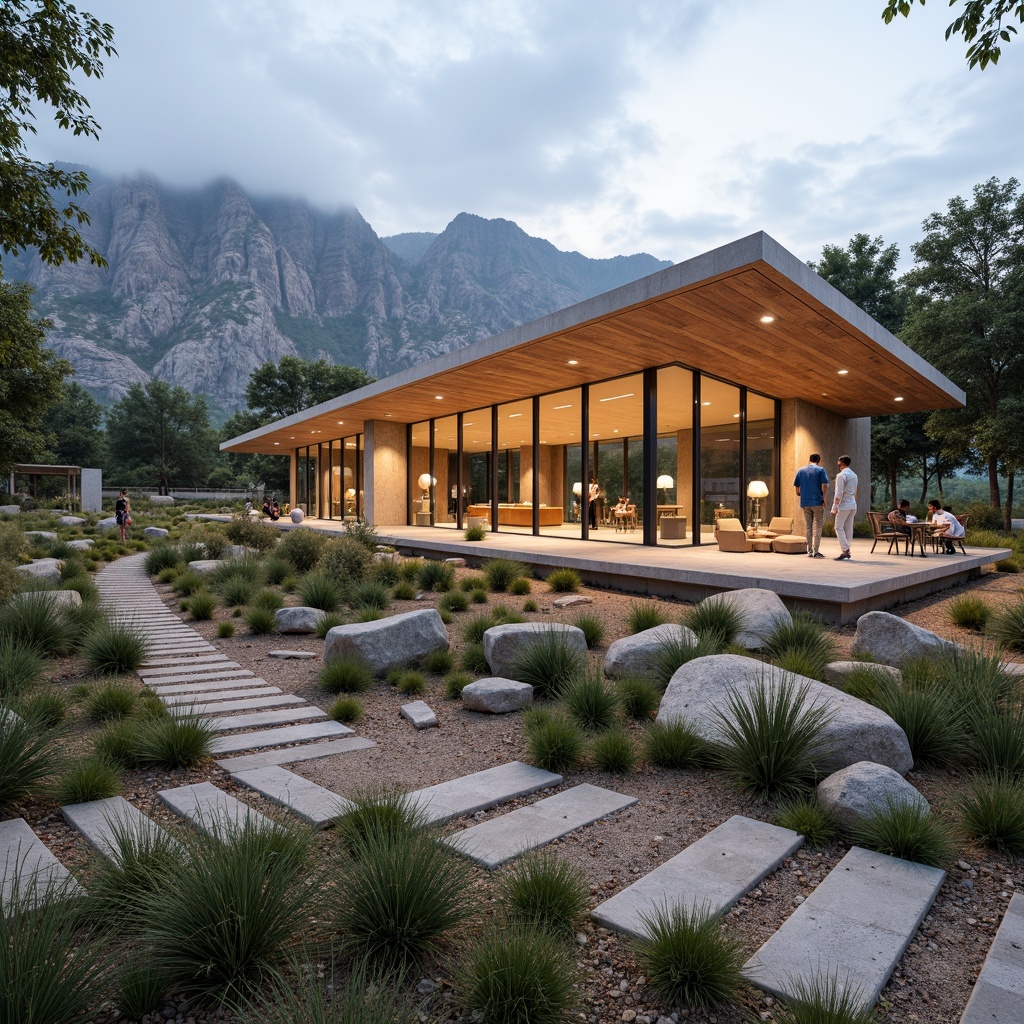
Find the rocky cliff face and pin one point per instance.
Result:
(204, 286)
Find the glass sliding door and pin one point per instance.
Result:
(720, 437)
(421, 482)
(446, 444)
(515, 466)
(477, 463)
(674, 482)
(761, 452)
(558, 468)
(617, 458)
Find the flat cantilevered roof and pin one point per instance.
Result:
(749, 312)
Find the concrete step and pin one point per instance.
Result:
(202, 688)
(290, 755)
(312, 803)
(215, 695)
(854, 926)
(471, 793)
(28, 870)
(101, 822)
(245, 704)
(211, 810)
(173, 661)
(714, 872)
(278, 737)
(492, 843)
(998, 994)
(196, 677)
(262, 718)
(154, 675)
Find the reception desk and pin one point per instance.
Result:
(519, 515)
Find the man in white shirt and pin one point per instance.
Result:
(844, 505)
(949, 527)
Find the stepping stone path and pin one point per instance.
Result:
(999, 991)
(211, 810)
(29, 865)
(312, 803)
(854, 926)
(493, 842)
(713, 872)
(102, 822)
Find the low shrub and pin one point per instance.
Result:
(346, 561)
(479, 596)
(468, 583)
(161, 558)
(593, 628)
(378, 812)
(548, 663)
(673, 745)
(474, 659)
(928, 717)
(225, 630)
(34, 623)
(327, 623)
(318, 590)
(113, 649)
(528, 606)
(772, 735)
(807, 817)
(201, 606)
(1007, 627)
(969, 611)
(260, 621)
(27, 757)
(93, 779)
(236, 591)
(267, 599)
(346, 709)
(474, 533)
(110, 702)
(564, 581)
(995, 741)
(638, 697)
(906, 830)
(590, 703)
(410, 569)
(116, 744)
(251, 533)
(403, 590)
(454, 601)
(992, 812)
(302, 548)
(501, 572)
(436, 576)
(274, 570)
(48, 708)
(688, 958)
(715, 621)
(438, 662)
(520, 586)
(138, 990)
(169, 743)
(412, 683)
(518, 976)
(613, 752)
(455, 683)
(387, 570)
(362, 533)
(644, 615)
(556, 744)
(188, 582)
(346, 675)
(167, 575)
(546, 892)
(369, 595)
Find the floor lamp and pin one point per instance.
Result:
(756, 490)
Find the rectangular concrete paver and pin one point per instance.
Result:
(214, 695)
(713, 872)
(246, 704)
(278, 737)
(211, 810)
(290, 755)
(28, 869)
(261, 718)
(998, 996)
(492, 843)
(103, 822)
(195, 677)
(217, 684)
(471, 793)
(854, 926)
(312, 803)
(173, 661)
(187, 668)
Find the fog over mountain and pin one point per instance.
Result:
(205, 285)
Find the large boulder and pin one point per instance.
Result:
(156, 532)
(388, 643)
(110, 523)
(503, 644)
(298, 619)
(41, 535)
(638, 655)
(837, 672)
(64, 600)
(10, 510)
(761, 610)
(205, 566)
(82, 544)
(70, 521)
(860, 790)
(42, 569)
(890, 640)
(161, 499)
(496, 696)
(856, 732)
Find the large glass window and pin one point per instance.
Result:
(674, 482)
(761, 453)
(421, 483)
(515, 462)
(719, 452)
(559, 464)
(445, 470)
(616, 457)
(477, 464)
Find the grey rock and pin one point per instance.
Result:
(205, 566)
(458, 563)
(10, 510)
(297, 515)
(425, 987)
(108, 524)
(572, 601)
(388, 643)
(419, 714)
(762, 611)
(638, 655)
(155, 531)
(41, 534)
(298, 620)
(291, 655)
(83, 544)
(496, 696)
(503, 644)
(42, 569)
(70, 521)
(161, 499)
(836, 672)
(64, 600)
(891, 640)
(860, 790)
(856, 732)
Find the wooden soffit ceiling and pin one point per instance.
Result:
(718, 325)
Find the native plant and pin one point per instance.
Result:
(674, 745)
(545, 892)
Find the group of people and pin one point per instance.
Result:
(271, 509)
(811, 485)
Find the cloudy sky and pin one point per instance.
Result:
(605, 126)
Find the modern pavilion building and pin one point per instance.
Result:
(683, 392)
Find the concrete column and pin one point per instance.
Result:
(385, 472)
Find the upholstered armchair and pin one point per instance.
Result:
(732, 536)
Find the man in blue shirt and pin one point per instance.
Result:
(811, 484)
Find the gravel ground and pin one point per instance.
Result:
(674, 808)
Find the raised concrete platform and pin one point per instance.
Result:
(278, 737)
(211, 810)
(481, 790)
(714, 872)
(291, 755)
(261, 718)
(492, 843)
(855, 926)
(998, 996)
(27, 868)
(101, 822)
(312, 803)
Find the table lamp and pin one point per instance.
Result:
(426, 481)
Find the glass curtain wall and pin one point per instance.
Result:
(720, 434)
(617, 457)
(515, 462)
(421, 487)
(762, 454)
(477, 464)
(306, 491)
(350, 495)
(674, 482)
(559, 462)
(446, 444)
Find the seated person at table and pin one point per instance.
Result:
(947, 526)
(622, 507)
(898, 517)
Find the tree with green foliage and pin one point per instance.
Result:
(161, 434)
(967, 317)
(75, 422)
(983, 24)
(30, 379)
(44, 46)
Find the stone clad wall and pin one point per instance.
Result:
(385, 473)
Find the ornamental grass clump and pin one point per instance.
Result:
(268, 599)
(826, 1000)
(673, 745)
(236, 591)
(436, 576)
(716, 621)
(806, 816)
(369, 596)
(688, 957)
(327, 623)
(995, 741)
(545, 892)
(473, 631)
(992, 812)
(27, 756)
(590, 703)
(172, 742)
(33, 622)
(770, 737)
(502, 572)
(969, 612)
(387, 570)
(48, 708)
(454, 601)
(548, 663)
(906, 830)
(188, 582)
(593, 629)
(474, 659)
(638, 697)
(111, 701)
(378, 812)
(139, 989)
(520, 586)
(438, 662)
(225, 630)
(93, 779)
(516, 975)
(260, 621)
(412, 683)
(804, 643)
(346, 675)
(1007, 627)
(929, 717)
(676, 651)
(161, 558)
(564, 581)
(644, 615)
(556, 744)
(455, 683)
(318, 590)
(113, 649)
(613, 752)
(403, 590)
(20, 666)
(202, 605)
(347, 561)
(346, 709)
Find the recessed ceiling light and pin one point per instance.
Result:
(513, 415)
(573, 362)
(615, 398)
(387, 414)
(292, 437)
(438, 397)
(898, 398)
(766, 319)
(705, 403)
(563, 406)
(277, 442)
(735, 415)
(842, 373)
(341, 423)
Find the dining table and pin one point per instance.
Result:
(920, 532)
